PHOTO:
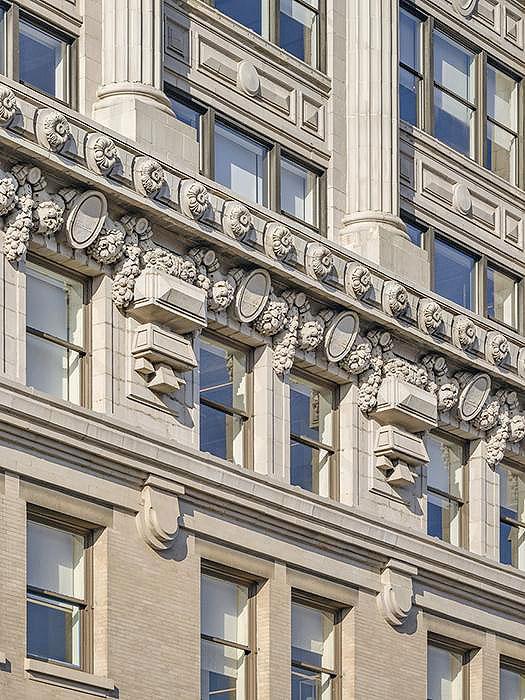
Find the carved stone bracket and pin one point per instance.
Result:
(158, 517)
(396, 597)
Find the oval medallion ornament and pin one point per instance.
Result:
(473, 396)
(340, 336)
(252, 295)
(86, 219)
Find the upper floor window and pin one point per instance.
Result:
(511, 683)
(42, 53)
(468, 279)
(57, 592)
(56, 352)
(253, 168)
(458, 94)
(512, 516)
(454, 273)
(227, 638)
(314, 660)
(447, 672)
(225, 400)
(294, 25)
(446, 485)
(312, 431)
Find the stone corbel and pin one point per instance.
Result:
(158, 517)
(396, 596)
(397, 451)
(158, 354)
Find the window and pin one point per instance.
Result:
(44, 56)
(447, 672)
(294, 25)
(446, 490)
(410, 78)
(512, 516)
(312, 430)
(470, 280)
(55, 335)
(511, 683)
(502, 123)
(313, 653)
(253, 169)
(454, 273)
(57, 592)
(241, 164)
(298, 191)
(227, 638)
(187, 114)
(225, 400)
(458, 94)
(501, 296)
(298, 29)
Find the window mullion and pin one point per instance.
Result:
(13, 43)
(428, 71)
(481, 112)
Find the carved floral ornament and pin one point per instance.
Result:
(124, 247)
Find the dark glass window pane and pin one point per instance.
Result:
(53, 630)
(306, 685)
(408, 88)
(409, 40)
(507, 535)
(247, 12)
(2, 40)
(304, 466)
(222, 672)
(415, 233)
(454, 273)
(42, 60)
(298, 30)
(187, 114)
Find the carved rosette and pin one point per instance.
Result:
(148, 176)
(319, 261)
(358, 280)
(429, 316)
(463, 332)
(236, 220)
(8, 105)
(101, 153)
(278, 240)
(395, 298)
(52, 130)
(496, 348)
(194, 199)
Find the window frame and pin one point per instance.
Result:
(480, 292)
(463, 504)
(84, 351)
(508, 664)
(208, 117)
(252, 583)
(273, 29)
(75, 526)
(315, 602)
(333, 449)
(246, 415)
(13, 15)
(482, 59)
(515, 524)
(454, 647)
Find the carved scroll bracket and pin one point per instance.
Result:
(396, 596)
(158, 517)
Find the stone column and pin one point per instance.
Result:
(131, 99)
(372, 226)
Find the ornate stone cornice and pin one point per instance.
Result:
(298, 305)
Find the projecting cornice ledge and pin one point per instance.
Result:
(97, 199)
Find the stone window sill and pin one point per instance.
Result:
(72, 678)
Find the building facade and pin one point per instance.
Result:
(262, 358)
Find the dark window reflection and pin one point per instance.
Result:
(247, 12)
(42, 60)
(454, 273)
